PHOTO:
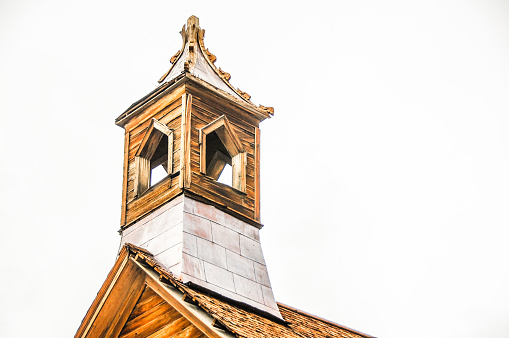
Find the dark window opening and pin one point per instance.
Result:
(217, 158)
(222, 156)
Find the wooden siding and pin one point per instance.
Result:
(165, 190)
(153, 317)
(257, 216)
(204, 107)
(202, 114)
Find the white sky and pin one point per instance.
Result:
(385, 186)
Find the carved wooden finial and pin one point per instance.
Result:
(193, 21)
(192, 29)
(192, 32)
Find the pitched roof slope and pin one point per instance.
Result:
(245, 321)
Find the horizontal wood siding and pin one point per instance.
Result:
(202, 114)
(165, 190)
(205, 108)
(153, 198)
(153, 317)
(241, 116)
(156, 107)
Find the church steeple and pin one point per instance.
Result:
(192, 128)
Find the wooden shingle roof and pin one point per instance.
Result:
(247, 322)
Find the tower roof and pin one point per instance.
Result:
(194, 63)
(195, 59)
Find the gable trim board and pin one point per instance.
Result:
(110, 311)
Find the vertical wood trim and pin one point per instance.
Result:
(183, 134)
(243, 181)
(142, 175)
(187, 177)
(203, 151)
(257, 175)
(170, 153)
(185, 143)
(239, 171)
(123, 208)
(137, 172)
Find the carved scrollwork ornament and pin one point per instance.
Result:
(224, 74)
(211, 56)
(245, 95)
(269, 110)
(175, 57)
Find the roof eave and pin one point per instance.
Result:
(137, 107)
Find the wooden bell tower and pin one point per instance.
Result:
(190, 262)
(194, 124)
(200, 226)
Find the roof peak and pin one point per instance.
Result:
(195, 59)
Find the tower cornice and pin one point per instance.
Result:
(260, 113)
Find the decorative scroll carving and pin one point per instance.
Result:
(224, 74)
(175, 57)
(270, 110)
(211, 56)
(244, 95)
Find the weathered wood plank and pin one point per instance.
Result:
(152, 199)
(123, 310)
(150, 321)
(137, 139)
(147, 301)
(123, 208)
(173, 329)
(185, 143)
(257, 176)
(221, 106)
(200, 121)
(127, 290)
(162, 291)
(222, 195)
(103, 293)
(154, 108)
